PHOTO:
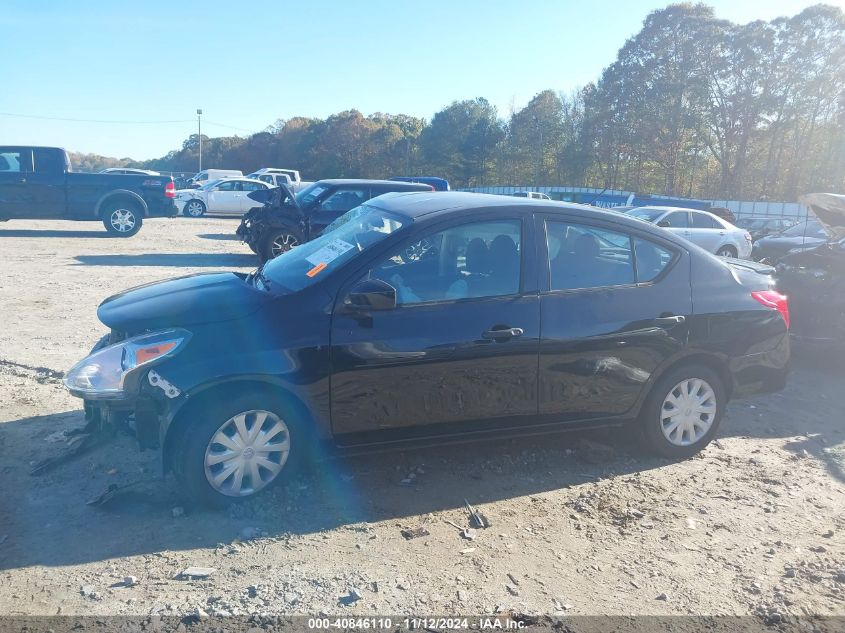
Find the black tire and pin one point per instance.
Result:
(727, 251)
(653, 413)
(122, 218)
(269, 247)
(194, 438)
(199, 207)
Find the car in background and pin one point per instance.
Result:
(439, 184)
(807, 234)
(428, 317)
(289, 219)
(814, 278)
(276, 176)
(723, 212)
(763, 226)
(129, 171)
(711, 233)
(38, 183)
(207, 175)
(533, 195)
(227, 196)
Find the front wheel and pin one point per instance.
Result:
(122, 219)
(279, 241)
(233, 452)
(726, 251)
(683, 411)
(194, 209)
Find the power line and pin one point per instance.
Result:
(114, 121)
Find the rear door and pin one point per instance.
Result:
(706, 231)
(614, 306)
(15, 170)
(460, 347)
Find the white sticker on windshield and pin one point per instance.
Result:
(329, 252)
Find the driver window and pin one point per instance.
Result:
(343, 200)
(480, 259)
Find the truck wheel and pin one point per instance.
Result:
(194, 209)
(683, 411)
(235, 451)
(279, 241)
(122, 219)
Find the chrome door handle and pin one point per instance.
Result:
(504, 333)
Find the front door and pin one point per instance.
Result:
(334, 204)
(460, 346)
(225, 197)
(613, 307)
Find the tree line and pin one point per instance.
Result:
(692, 106)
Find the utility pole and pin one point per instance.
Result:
(199, 134)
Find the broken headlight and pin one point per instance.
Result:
(103, 373)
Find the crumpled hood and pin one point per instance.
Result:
(184, 301)
(829, 208)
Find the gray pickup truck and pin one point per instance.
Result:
(38, 183)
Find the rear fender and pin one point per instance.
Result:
(118, 194)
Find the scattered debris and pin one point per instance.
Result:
(469, 534)
(353, 596)
(3, 538)
(468, 550)
(512, 590)
(177, 512)
(198, 572)
(476, 519)
(77, 445)
(109, 494)
(411, 533)
(130, 581)
(88, 591)
(663, 597)
(513, 579)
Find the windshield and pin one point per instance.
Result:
(649, 215)
(811, 228)
(307, 196)
(352, 233)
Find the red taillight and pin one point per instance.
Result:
(432, 188)
(170, 190)
(774, 299)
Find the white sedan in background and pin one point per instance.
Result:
(708, 231)
(227, 196)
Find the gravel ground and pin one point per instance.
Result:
(580, 524)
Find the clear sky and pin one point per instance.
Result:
(247, 64)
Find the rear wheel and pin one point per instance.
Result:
(229, 453)
(279, 241)
(726, 251)
(683, 411)
(122, 219)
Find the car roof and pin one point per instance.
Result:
(421, 204)
(667, 209)
(366, 181)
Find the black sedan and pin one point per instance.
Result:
(760, 227)
(418, 316)
(807, 234)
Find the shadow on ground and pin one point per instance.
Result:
(186, 260)
(220, 236)
(46, 520)
(50, 233)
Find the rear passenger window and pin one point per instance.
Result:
(704, 221)
(678, 220)
(651, 259)
(582, 256)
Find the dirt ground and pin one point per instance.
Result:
(753, 525)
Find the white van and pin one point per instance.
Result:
(207, 175)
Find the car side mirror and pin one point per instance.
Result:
(664, 223)
(371, 294)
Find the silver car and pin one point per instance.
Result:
(708, 231)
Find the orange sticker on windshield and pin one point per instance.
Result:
(317, 269)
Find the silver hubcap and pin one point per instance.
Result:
(283, 243)
(688, 412)
(194, 209)
(122, 220)
(725, 252)
(246, 453)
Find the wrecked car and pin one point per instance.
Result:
(814, 278)
(420, 317)
(287, 220)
